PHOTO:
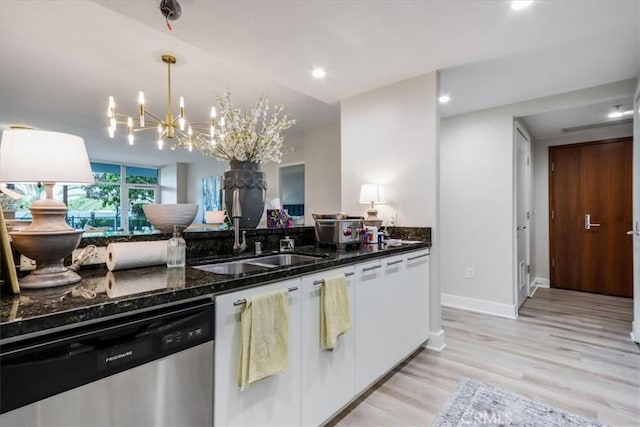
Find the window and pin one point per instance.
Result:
(113, 203)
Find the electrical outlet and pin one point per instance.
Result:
(470, 273)
(393, 220)
(98, 257)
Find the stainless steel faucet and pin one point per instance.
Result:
(236, 213)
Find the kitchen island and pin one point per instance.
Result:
(389, 302)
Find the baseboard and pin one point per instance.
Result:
(541, 282)
(479, 306)
(635, 332)
(436, 341)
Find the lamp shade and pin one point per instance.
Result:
(372, 193)
(31, 156)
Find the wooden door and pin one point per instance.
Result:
(592, 254)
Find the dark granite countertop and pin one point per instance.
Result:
(36, 312)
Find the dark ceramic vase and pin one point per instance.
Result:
(251, 183)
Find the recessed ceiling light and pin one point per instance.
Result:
(520, 4)
(619, 113)
(318, 73)
(444, 99)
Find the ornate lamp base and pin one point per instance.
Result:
(48, 240)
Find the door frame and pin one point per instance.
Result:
(519, 127)
(635, 177)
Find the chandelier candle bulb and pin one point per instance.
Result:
(141, 108)
(181, 120)
(130, 134)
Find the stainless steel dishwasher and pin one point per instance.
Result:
(145, 369)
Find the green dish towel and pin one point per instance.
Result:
(335, 316)
(264, 348)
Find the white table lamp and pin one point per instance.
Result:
(371, 194)
(45, 158)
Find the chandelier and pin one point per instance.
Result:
(178, 130)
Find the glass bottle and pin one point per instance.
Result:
(176, 250)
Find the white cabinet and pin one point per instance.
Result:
(327, 376)
(389, 301)
(368, 323)
(273, 401)
(392, 332)
(415, 300)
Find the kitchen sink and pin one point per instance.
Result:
(256, 265)
(283, 259)
(232, 268)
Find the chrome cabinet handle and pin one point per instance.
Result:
(320, 282)
(588, 224)
(395, 262)
(244, 301)
(371, 268)
(416, 257)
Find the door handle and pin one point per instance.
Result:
(588, 224)
(633, 233)
(521, 227)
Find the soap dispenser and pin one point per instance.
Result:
(176, 250)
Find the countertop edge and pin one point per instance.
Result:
(20, 329)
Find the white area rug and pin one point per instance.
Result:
(477, 404)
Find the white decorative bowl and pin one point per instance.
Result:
(164, 216)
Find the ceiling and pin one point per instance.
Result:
(549, 124)
(60, 60)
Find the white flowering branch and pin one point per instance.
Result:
(254, 136)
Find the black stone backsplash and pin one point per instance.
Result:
(220, 243)
(410, 233)
(207, 243)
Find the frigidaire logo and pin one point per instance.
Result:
(119, 356)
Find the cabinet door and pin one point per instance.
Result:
(327, 376)
(273, 401)
(368, 324)
(392, 316)
(415, 300)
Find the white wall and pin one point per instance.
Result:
(173, 183)
(540, 213)
(476, 205)
(390, 136)
(476, 198)
(322, 171)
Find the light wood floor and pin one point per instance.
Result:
(569, 349)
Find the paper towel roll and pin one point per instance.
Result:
(121, 256)
(118, 284)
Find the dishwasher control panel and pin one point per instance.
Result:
(186, 335)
